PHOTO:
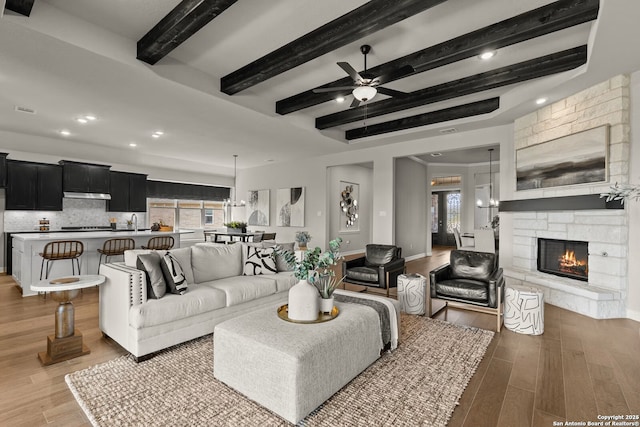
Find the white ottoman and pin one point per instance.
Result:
(412, 289)
(524, 310)
(293, 368)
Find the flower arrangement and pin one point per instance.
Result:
(303, 237)
(326, 284)
(315, 263)
(622, 192)
(235, 224)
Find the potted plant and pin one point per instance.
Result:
(312, 272)
(236, 227)
(302, 238)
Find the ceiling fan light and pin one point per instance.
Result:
(364, 93)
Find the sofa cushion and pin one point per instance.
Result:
(464, 289)
(173, 274)
(131, 256)
(380, 254)
(259, 261)
(471, 265)
(239, 289)
(284, 281)
(363, 274)
(150, 264)
(199, 299)
(211, 262)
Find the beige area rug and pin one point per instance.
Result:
(418, 384)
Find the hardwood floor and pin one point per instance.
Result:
(579, 369)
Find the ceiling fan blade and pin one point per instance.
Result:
(391, 92)
(333, 89)
(355, 103)
(351, 71)
(399, 73)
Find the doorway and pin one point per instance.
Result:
(445, 211)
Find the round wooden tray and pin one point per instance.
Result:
(64, 280)
(283, 313)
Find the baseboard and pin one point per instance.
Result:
(357, 251)
(633, 315)
(412, 257)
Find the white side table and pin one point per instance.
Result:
(412, 289)
(66, 343)
(524, 310)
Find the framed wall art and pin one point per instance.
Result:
(290, 207)
(258, 207)
(579, 158)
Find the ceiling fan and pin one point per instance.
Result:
(365, 86)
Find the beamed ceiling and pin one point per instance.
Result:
(254, 77)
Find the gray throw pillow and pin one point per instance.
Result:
(173, 274)
(150, 264)
(281, 264)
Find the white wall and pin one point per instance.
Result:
(411, 210)
(633, 299)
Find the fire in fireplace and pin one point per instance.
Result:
(567, 258)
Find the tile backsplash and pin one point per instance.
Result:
(75, 213)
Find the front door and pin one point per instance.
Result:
(445, 207)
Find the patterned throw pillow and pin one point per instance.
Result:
(259, 261)
(173, 274)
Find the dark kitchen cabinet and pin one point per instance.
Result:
(85, 177)
(128, 192)
(33, 186)
(3, 170)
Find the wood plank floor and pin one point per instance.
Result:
(579, 369)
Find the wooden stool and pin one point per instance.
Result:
(159, 243)
(61, 249)
(115, 247)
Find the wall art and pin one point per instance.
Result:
(578, 158)
(290, 207)
(258, 207)
(349, 206)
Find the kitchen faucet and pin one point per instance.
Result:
(134, 219)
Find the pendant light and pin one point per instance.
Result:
(234, 210)
(493, 203)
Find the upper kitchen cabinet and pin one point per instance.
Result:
(128, 192)
(85, 177)
(33, 186)
(3, 170)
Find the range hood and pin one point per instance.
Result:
(94, 196)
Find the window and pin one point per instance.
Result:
(213, 214)
(187, 214)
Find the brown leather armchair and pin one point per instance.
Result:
(379, 268)
(472, 281)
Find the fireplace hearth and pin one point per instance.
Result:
(566, 258)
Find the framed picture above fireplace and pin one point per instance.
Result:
(579, 158)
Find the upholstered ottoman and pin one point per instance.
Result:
(412, 289)
(524, 310)
(293, 368)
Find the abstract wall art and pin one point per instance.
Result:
(258, 207)
(290, 207)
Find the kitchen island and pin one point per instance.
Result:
(26, 249)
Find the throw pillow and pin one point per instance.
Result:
(259, 261)
(173, 274)
(150, 264)
(281, 264)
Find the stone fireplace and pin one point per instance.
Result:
(564, 258)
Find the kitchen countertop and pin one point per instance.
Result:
(65, 235)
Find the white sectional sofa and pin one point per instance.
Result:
(217, 291)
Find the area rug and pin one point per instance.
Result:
(418, 384)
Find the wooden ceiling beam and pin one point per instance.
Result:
(535, 23)
(186, 19)
(523, 71)
(23, 7)
(458, 112)
(360, 22)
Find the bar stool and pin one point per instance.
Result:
(114, 247)
(159, 243)
(61, 249)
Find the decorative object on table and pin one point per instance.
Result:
(129, 224)
(349, 206)
(524, 310)
(578, 158)
(283, 313)
(113, 222)
(258, 207)
(622, 192)
(290, 207)
(302, 238)
(304, 298)
(412, 290)
(326, 284)
(116, 389)
(155, 226)
(237, 227)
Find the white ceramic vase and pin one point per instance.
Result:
(326, 304)
(304, 302)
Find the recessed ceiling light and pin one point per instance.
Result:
(541, 101)
(155, 135)
(340, 99)
(81, 120)
(269, 160)
(133, 144)
(65, 132)
(436, 154)
(90, 117)
(158, 132)
(487, 55)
